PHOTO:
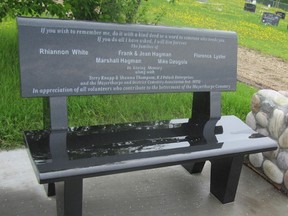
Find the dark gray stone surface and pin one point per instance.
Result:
(86, 58)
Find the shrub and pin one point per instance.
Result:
(97, 10)
(33, 8)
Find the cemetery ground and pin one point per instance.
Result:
(261, 70)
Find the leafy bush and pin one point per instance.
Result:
(97, 10)
(109, 10)
(33, 8)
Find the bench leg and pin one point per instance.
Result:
(194, 167)
(225, 174)
(69, 197)
(50, 189)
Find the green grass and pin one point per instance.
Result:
(238, 102)
(18, 114)
(129, 108)
(224, 15)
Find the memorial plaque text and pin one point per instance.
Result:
(82, 58)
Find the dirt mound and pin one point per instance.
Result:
(262, 71)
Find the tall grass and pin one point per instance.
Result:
(18, 114)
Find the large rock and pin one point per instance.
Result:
(262, 119)
(271, 155)
(263, 131)
(276, 97)
(255, 103)
(285, 93)
(273, 172)
(256, 159)
(282, 160)
(268, 94)
(286, 180)
(250, 120)
(283, 140)
(276, 124)
(281, 100)
(267, 106)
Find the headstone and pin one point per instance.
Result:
(250, 7)
(270, 19)
(282, 15)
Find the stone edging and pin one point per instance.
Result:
(269, 117)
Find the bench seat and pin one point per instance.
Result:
(58, 155)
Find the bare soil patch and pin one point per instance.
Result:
(262, 71)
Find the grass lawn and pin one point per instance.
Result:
(224, 15)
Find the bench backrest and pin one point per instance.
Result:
(60, 58)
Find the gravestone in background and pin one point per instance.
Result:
(282, 15)
(251, 1)
(270, 19)
(250, 7)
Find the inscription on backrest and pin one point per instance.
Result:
(64, 57)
